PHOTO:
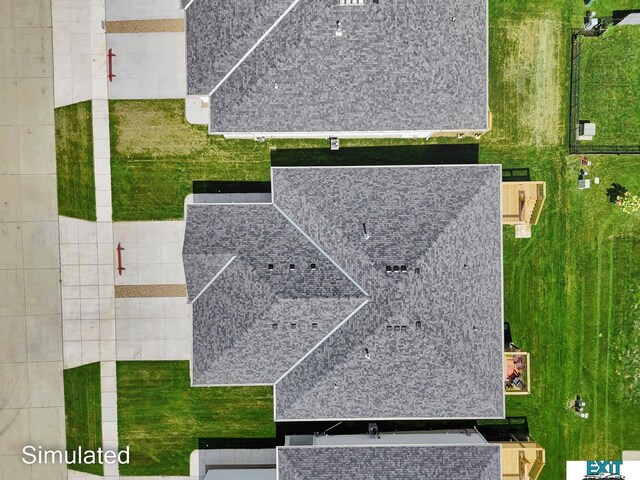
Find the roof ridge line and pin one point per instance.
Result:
(320, 249)
(315, 347)
(250, 51)
(212, 280)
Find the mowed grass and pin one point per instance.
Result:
(74, 161)
(161, 417)
(525, 94)
(610, 85)
(156, 155)
(572, 297)
(83, 410)
(572, 291)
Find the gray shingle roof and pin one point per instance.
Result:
(234, 338)
(220, 32)
(434, 338)
(399, 65)
(468, 462)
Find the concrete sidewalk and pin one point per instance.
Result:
(79, 47)
(31, 387)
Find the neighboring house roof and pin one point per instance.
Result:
(444, 221)
(399, 65)
(460, 462)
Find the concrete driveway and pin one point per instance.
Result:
(148, 41)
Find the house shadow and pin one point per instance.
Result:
(439, 154)
(516, 175)
(492, 430)
(334, 428)
(217, 186)
(619, 15)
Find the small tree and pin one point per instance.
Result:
(616, 192)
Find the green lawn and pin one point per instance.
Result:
(74, 161)
(156, 154)
(161, 417)
(571, 296)
(610, 85)
(83, 411)
(572, 292)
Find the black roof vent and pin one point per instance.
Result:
(388, 269)
(270, 266)
(294, 325)
(417, 271)
(314, 325)
(389, 328)
(403, 268)
(403, 328)
(274, 326)
(419, 324)
(313, 267)
(292, 266)
(396, 269)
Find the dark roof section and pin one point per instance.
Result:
(402, 345)
(462, 462)
(220, 32)
(399, 65)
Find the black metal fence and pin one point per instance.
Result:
(574, 90)
(576, 147)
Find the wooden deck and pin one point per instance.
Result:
(522, 202)
(522, 460)
(525, 373)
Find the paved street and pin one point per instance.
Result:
(31, 389)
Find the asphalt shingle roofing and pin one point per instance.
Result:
(344, 338)
(462, 462)
(398, 65)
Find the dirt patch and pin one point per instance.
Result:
(531, 81)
